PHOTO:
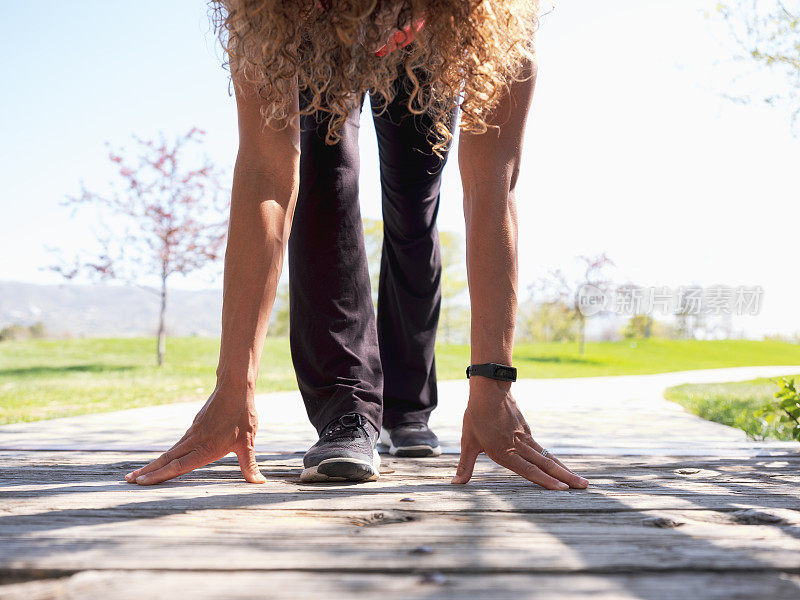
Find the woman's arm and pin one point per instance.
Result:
(489, 165)
(265, 182)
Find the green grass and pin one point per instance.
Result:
(732, 404)
(42, 379)
(626, 358)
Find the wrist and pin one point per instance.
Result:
(501, 356)
(236, 387)
(484, 385)
(237, 380)
(238, 371)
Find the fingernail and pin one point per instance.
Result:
(141, 479)
(128, 476)
(583, 481)
(563, 486)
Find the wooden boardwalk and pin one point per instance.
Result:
(678, 507)
(648, 527)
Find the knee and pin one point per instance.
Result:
(411, 221)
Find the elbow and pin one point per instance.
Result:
(488, 175)
(273, 179)
(492, 194)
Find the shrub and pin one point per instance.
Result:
(783, 413)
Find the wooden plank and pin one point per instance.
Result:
(479, 545)
(483, 494)
(621, 483)
(38, 467)
(45, 459)
(136, 585)
(505, 526)
(277, 523)
(656, 517)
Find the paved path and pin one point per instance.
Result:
(589, 415)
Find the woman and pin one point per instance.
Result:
(300, 70)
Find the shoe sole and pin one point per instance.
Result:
(343, 469)
(419, 451)
(415, 451)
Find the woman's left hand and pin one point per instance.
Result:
(493, 424)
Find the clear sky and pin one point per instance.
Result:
(631, 147)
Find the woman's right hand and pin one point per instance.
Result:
(227, 423)
(265, 183)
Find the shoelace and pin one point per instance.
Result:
(349, 423)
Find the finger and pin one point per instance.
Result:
(550, 465)
(466, 463)
(538, 447)
(563, 466)
(178, 466)
(179, 449)
(560, 464)
(529, 471)
(249, 466)
(151, 466)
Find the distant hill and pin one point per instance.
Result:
(108, 310)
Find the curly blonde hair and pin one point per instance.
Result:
(469, 51)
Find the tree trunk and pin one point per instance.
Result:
(581, 335)
(162, 323)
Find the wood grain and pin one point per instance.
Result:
(648, 527)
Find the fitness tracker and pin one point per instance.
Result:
(493, 371)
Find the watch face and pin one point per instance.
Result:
(505, 373)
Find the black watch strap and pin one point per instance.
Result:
(493, 371)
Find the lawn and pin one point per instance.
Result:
(42, 379)
(732, 404)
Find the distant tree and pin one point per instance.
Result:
(689, 314)
(17, 331)
(14, 332)
(546, 321)
(638, 327)
(767, 33)
(557, 288)
(38, 330)
(168, 218)
(454, 319)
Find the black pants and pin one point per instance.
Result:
(345, 360)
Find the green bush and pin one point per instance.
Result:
(783, 413)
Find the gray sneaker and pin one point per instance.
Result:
(345, 452)
(413, 440)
